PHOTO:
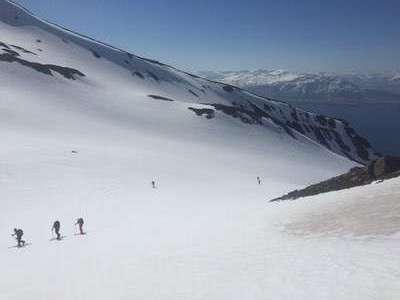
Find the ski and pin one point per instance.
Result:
(56, 239)
(16, 246)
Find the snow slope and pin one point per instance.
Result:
(55, 52)
(82, 137)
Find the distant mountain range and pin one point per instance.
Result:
(370, 102)
(317, 87)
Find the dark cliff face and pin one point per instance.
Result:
(336, 135)
(381, 169)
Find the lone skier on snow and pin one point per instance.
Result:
(259, 180)
(80, 223)
(153, 184)
(18, 233)
(56, 228)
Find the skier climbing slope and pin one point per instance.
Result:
(80, 223)
(56, 228)
(18, 233)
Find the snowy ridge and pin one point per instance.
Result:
(165, 81)
(370, 103)
(314, 87)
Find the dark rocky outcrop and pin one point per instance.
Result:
(156, 62)
(138, 74)
(345, 148)
(331, 123)
(250, 114)
(208, 112)
(321, 119)
(154, 76)
(47, 69)
(193, 93)
(228, 88)
(385, 165)
(3, 45)
(23, 49)
(246, 116)
(11, 52)
(268, 107)
(320, 137)
(361, 144)
(95, 53)
(156, 97)
(381, 169)
(324, 130)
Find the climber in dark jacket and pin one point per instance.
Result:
(18, 233)
(56, 227)
(80, 223)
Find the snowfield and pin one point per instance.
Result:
(82, 138)
(205, 232)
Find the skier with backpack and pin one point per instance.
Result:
(56, 228)
(18, 233)
(80, 223)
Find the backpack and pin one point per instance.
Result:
(56, 225)
(19, 233)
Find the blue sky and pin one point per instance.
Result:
(299, 35)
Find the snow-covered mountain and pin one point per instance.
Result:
(371, 103)
(58, 55)
(86, 127)
(314, 87)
